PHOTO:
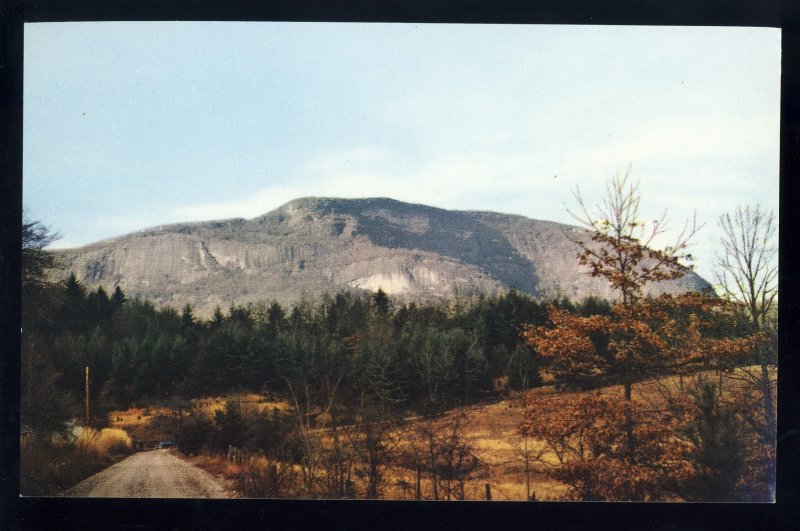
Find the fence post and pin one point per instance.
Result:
(488, 492)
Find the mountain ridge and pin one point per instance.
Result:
(314, 244)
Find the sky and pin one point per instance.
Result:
(129, 125)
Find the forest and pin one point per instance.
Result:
(424, 358)
(373, 385)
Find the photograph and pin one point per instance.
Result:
(399, 261)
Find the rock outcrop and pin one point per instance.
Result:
(314, 245)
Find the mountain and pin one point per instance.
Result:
(312, 245)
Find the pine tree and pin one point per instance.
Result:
(118, 297)
(276, 319)
(718, 453)
(382, 302)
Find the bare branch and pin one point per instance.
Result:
(747, 271)
(618, 244)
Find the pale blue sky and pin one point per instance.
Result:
(128, 125)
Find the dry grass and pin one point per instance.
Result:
(491, 430)
(256, 477)
(106, 442)
(247, 401)
(136, 421)
(219, 466)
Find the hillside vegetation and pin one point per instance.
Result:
(666, 393)
(348, 396)
(472, 446)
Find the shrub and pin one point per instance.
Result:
(718, 455)
(48, 468)
(106, 442)
(269, 479)
(194, 434)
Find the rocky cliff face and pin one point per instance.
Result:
(313, 245)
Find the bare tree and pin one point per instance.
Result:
(450, 456)
(526, 451)
(338, 458)
(748, 269)
(310, 441)
(35, 260)
(37, 290)
(413, 455)
(378, 439)
(747, 273)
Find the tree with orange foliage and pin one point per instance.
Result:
(617, 246)
(646, 339)
(668, 334)
(606, 448)
(584, 446)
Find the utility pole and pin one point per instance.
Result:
(87, 396)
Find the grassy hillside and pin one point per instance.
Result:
(485, 443)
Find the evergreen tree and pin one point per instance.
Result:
(276, 320)
(718, 454)
(72, 315)
(381, 301)
(99, 308)
(218, 318)
(118, 297)
(187, 319)
(231, 428)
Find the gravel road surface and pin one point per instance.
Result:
(155, 474)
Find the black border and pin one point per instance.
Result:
(59, 513)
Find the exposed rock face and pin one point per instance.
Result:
(313, 245)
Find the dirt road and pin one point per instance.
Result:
(155, 474)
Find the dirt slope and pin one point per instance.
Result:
(156, 474)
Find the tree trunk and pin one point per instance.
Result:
(373, 475)
(631, 443)
(418, 493)
(769, 410)
(527, 470)
(434, 480)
